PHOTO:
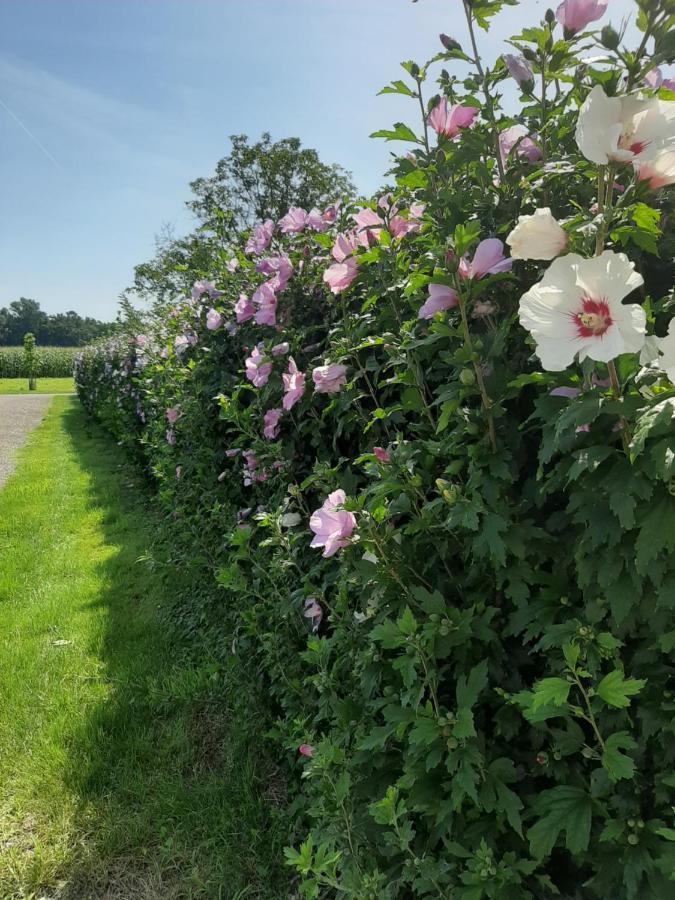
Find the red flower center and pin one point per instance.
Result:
(593, 319)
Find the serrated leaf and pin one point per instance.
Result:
(400, 132)
(615, 690)
(615, 763)
(562, 809)
(553, 691)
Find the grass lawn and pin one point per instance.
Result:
(44, 386)
(122, 773)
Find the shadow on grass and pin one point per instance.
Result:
(176, 801)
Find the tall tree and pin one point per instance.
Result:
(260, 181)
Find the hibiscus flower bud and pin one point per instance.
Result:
(449, 43)
(538, 236)
(609, 38)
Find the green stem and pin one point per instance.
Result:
(488, 99)
(425, 123)
(487, 402)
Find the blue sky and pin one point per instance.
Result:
(132, 99)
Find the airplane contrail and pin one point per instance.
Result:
(30, 134)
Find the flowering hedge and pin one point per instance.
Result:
(425, 447)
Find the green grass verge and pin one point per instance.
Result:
(123, 770)
(44, 386)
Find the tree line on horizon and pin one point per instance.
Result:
(68, 329)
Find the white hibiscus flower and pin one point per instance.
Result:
(538, 236)
(576, 310)
(624, 129)
(666, 346)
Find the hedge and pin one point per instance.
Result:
(53, 362)
(431, 482)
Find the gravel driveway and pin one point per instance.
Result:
(19, 414)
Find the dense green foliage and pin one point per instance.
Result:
(50, 362)
(59, 330)
(124, 772)
(481, 677)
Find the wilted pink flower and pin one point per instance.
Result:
(568, 392)
(266, 300)
(381, 455)
(519, 68)
(232, 264)
(205, 287)
(417, 210)
(329, 379)
(294, 221)
(316, 220)
(516, 136)
(331, 525)
(305, 750)
(329, 214)
(314, 613)
(449, 121)
(172, 414)
(251, 460)
(244, 309)
(258, 370)
(340, 275)
(232, 452)
(271, 423)
(281, 349)
(653, 79)
(294, 385)
(179, 471)
(170, 437)
(482, 308)
(440, 297)
(180, 344)
(343, 247)
(260, 238)
(213, 320)
(141, 340)
(487, 260)
(575, 15)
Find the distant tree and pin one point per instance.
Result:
(260, 181)
(61, 330)
(30, 360)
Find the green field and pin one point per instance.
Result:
(44, 386)
(51, 362)
(122, 773)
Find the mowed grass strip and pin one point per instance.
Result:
(44, 386)
(123, 773)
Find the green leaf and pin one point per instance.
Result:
(398, 87)
(571, 654)
(563, 808)
(424, 731)
(656, 534)
(400, 132)
(615, 690)
(617, 764)
(550, 690)
(407, 624)
(468, 688)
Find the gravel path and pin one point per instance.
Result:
(19, 414)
